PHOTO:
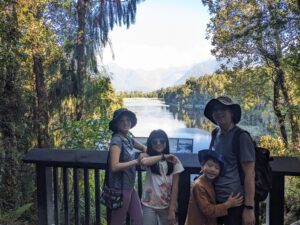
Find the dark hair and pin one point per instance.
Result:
(151, 152)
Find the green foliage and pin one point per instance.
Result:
(195, 92)
(253, 31)
(275, 145)
(82, 205)
(138, 94)
(47, 30)
(260, 39)
(11, 217)
(85, 134)
(292, 194)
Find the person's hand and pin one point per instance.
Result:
(248, 217)
(172, 217)
(138, 160)
(143, 155)
(234, 200)
(144, 149)
(140, 157)
(171, 158)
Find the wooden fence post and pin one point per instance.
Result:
(276, 216)
(44, 195)
(183, 196)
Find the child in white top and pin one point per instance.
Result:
(160, 190)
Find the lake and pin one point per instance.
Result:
(154, 114)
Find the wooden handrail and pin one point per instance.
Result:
(90, 159)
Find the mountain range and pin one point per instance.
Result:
(141, 80)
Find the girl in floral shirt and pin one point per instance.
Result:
(160, 190)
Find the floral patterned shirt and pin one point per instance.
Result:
(157, 188)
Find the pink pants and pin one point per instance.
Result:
(132, 205)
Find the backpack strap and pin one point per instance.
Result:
(236, 150)
(213, 137)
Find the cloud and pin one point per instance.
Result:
(166, 33)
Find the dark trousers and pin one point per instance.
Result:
(234, 217)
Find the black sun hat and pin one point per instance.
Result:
(225, 101)
(117, 115)
(205, 154)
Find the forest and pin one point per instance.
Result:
(54, 94)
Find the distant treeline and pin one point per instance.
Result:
(252, 87)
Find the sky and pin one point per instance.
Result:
(167, 33)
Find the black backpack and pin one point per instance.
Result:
(263, 170)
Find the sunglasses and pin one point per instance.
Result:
(157, 141)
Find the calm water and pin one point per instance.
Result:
(154, 114)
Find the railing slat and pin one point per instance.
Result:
(183, 196)
(277, 200)
(87, 196)
(66, 195)
(76, 196)
(56, 196)
(44, 194)
(140, 185)
(97, 197)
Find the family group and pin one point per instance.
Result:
(218, 195)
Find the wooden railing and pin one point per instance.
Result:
(59, 202)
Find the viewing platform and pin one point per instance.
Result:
(59, 173)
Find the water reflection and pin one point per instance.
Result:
(155, 114)
(192, 118)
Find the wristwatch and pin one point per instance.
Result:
(163, 157)
(248, 207)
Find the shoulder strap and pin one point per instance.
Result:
(236, 150)
(236, 141)
(106, 178)
(213, 137)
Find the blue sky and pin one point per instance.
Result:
(166, 33)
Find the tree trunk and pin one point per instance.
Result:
(280, 117)
(280, 77)
(42, 119)
(289, 103)
(80, 56)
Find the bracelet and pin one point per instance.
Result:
(248, 207)
(163, 157)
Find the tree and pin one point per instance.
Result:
(95, 20)
(10, 98)
(39, 57)
(37, 43)
(259, 32)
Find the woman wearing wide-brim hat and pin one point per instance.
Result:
(122, 163)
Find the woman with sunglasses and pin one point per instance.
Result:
(160, 190)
